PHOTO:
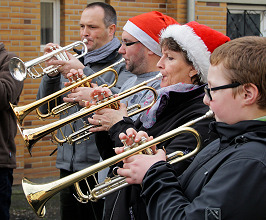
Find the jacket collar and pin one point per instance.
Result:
(241, 132)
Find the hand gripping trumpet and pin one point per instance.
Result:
(84, 133)
(31, 136)
(22, 111)
(38, 194)
(19, 70)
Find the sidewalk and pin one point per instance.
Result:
(21, 210)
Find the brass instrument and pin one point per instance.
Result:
(31, 136)
(84, 133)
(22, 111)
(19, 70)
(38, 194)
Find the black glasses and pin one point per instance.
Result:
(208, 90)
(129, 43)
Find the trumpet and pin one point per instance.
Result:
(22, 111)
(38, 194)
(19, 70)
(84, 133)
(31, 136)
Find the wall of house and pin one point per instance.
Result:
(20, 32)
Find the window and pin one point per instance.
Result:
(246, 22)
(50, 22)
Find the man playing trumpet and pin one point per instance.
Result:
(97, 26)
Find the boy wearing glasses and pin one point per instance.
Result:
(226, 180)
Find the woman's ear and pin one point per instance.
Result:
(250, 94)
(192, 72)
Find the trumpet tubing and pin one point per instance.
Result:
(84, 133)
(22, 111)
(38, 194)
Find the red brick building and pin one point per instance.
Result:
(22, 22)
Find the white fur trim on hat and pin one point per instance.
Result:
(196, 49)
(143, 37)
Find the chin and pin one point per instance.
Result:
(163, 84)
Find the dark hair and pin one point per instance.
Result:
(172, 45)
(245, 60)
(109, 12)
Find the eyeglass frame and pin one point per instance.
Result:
(129, 43)
(208, 90)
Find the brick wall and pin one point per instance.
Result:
(212, 14)
(20, 32)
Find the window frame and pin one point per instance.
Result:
(56, 22)
(236, 9)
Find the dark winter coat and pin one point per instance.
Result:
(176, 110)
(226, 180)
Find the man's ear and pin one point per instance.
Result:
(250, 94)
(112, 29)
(150, 52)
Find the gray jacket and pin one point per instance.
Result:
(81, 155)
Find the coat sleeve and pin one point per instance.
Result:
(235, 191)
(48, 86)
(10, 89)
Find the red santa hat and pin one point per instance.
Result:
(199, 41)
(147, 28)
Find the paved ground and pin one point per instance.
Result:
(21, 210)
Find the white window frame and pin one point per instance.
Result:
(237, 8)
(56, 22)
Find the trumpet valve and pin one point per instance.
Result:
(96, 97)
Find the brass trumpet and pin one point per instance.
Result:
(19, 70)
(22, 111)
(31, 136)
(38, 194)
(84, 133)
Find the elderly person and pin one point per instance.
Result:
(184, 64)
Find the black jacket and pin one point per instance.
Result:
(177, 110)
(226, 180)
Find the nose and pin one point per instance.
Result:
(160, 64)
(84, 31)
(122, 49)
(206, 100)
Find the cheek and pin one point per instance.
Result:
(221, 110)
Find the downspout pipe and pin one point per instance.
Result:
(190, 10)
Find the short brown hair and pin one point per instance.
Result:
(245, 58)
(109, 12)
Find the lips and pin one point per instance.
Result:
(88, 40)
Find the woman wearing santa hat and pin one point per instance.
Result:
(184, 64)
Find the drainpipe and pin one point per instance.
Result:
(190, 10)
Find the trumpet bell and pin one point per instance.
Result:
(17, 69)
(38, 207)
